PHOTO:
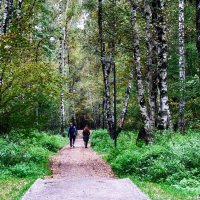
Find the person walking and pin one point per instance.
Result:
(86, 135)
(72, 134)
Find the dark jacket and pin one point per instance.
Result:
(71, 131)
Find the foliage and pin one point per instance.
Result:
(24, 157)
(172, 159)
(26, 153)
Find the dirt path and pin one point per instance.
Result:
(81, 174)
(79, 162)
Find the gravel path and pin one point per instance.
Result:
(81, 174)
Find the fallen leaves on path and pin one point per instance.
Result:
(79, 162)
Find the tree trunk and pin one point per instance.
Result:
(106, 66)
(19, 9)
(198, 31)
(126, 99)
(140, 87)
(10, 13)
(152, 74)
(5, 17)
(62, 114)
(60, 61)
(181, 66)
(109, 114)
(66, 43)
(164, 110)
(19, 13)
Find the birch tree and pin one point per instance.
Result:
(181, 66)
(5, 17)
(139, 81)
(106, 66)
(126, 100)
(152, 73)
(10, 12)
(198, 32)
(162, 57)
(19, 9)
(60, 61)
(66, 41)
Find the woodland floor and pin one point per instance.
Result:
(80, 173)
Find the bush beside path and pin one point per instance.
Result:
(24, 157)
(168, 169)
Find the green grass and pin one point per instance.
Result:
(167, 169)
(24, 157)
(160, 191)
(14, 188)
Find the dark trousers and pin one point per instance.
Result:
(72, 140)
(86, 139)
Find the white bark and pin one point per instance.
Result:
(106, 72)
(109, 115)
(5, 17)
(60, 61)
(164, 110)
(10, 12)
(66, 42)
(62, 114)
(152, 75)
(140, 87)
(198, 32)
(181, 66)
(126, 100)
(60, 53)
(19, 9)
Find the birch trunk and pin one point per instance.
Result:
(5, 17)
(152, 74)
(10, 12)
(164, 110)
(19, 9)
(60, 60)
(109, 114)
(106, 72)
(66, 43)
(126, 100)
(60, 53)
(140, 87)
(181, 66)
(19, 13)
(198, 31)
(113, 68)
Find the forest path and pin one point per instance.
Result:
(80, 174)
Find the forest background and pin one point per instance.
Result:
(56, 66)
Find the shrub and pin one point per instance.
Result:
(25, 154)
(172, 158)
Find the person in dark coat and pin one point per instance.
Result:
(72, 134)
(86, 135)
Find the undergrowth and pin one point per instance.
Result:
(172, 160)
(24, 157)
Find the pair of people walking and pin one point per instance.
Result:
(72, 133)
